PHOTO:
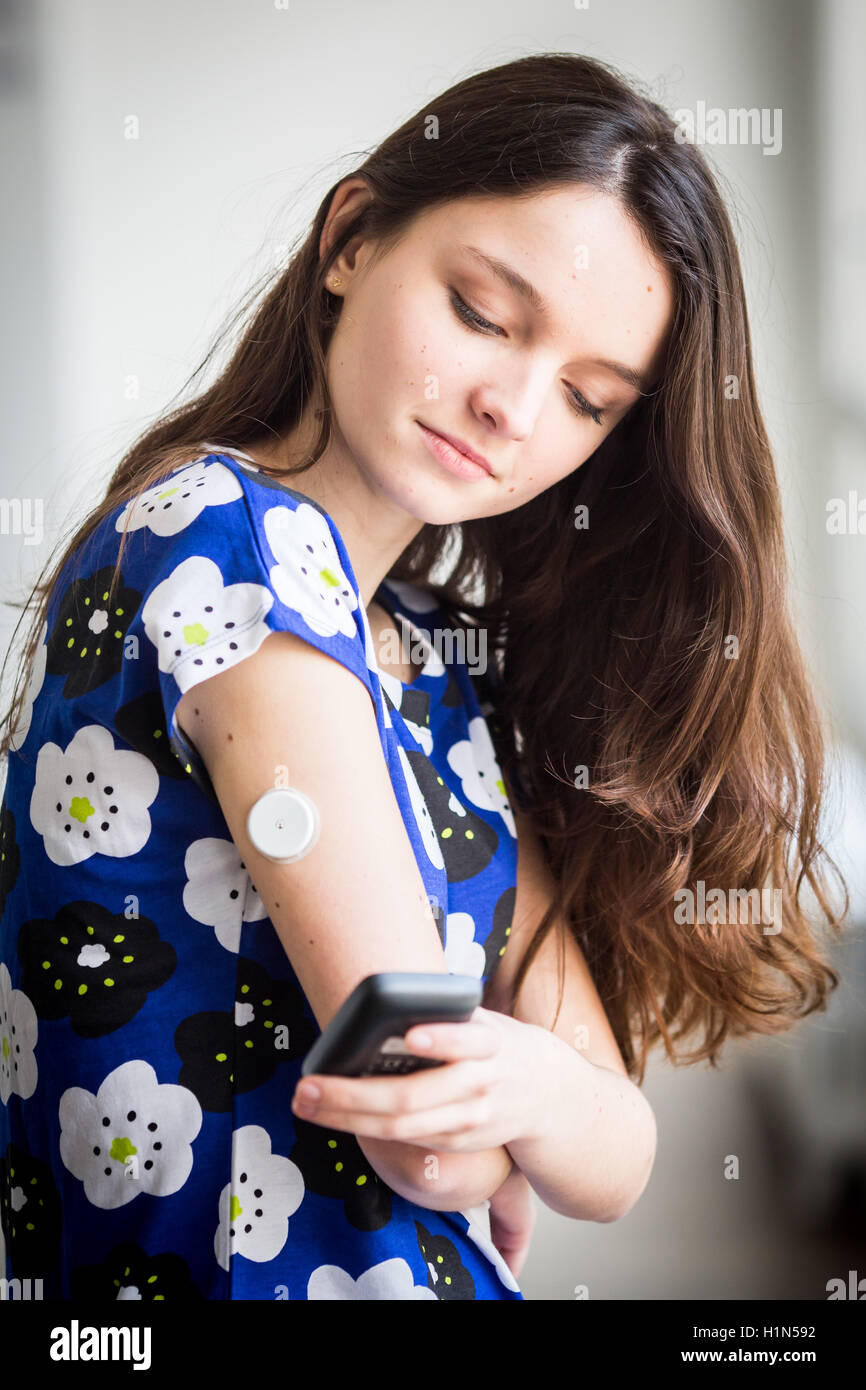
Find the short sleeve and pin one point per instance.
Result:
(223, 559)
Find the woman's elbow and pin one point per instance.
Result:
(646, 1150)
(455, 1181)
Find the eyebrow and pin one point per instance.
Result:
(515, 281)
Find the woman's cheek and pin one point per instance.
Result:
(449, 372)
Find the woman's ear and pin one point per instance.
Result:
(349, 198)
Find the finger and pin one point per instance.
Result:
(424, 1128)
(450, 1041)
(385, 1095)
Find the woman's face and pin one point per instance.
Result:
(431, 338)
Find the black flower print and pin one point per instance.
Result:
(498, 936)
(141, 723)
(86, 643)
(226, 1053)
(96, 966)
(467, 842)
(452, 695)
(10, 856)
(128, 1273)
(447, 1275)
(415, 707)
(333, 1164)
(414, 710)
(29, 1213)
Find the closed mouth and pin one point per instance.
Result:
(461, 447)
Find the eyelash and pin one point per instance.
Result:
(473, 320)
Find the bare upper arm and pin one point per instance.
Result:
(356, 903)
(581, 1007)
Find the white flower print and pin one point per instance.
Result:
(254, 1208)
(92, 955)
(34, 685)
(392, 687)
(199, 625)
(474, 761)
(92, 798)
(479, 1231)
(19, 1029)
(390, 1281)
(427, 829)
(171, 505)
(134, 1135)
(422, 734)
(308, 575)
(463, 954)
(218, 891)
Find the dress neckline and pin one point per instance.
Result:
(383, 595)
(235, 453)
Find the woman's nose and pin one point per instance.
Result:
(513, 401)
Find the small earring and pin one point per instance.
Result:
(336, 281)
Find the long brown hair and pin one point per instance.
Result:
(650, 652)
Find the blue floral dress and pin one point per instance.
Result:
(147, 1145)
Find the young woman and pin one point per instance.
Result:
(532, 274)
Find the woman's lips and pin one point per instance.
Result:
(452, 456)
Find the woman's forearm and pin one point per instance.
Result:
(595, 1150)
(438, 1181)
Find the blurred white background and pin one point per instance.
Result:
(121, 257)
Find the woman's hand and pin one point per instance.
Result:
(496, 1086)
(512, 1219)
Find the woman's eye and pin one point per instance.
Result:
(584, 407)
(469, 316)
(474, 320)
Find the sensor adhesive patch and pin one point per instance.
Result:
(283, 824)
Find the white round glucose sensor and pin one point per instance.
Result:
(283, 824)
